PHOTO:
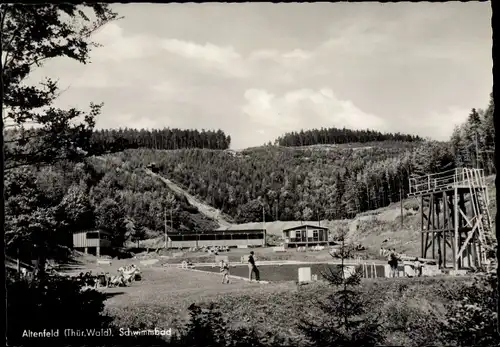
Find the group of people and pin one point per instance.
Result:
(124, 277)
(252, 269)
(393, 259)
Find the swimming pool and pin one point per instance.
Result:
(289, 272)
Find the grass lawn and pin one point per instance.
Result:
(161, 300)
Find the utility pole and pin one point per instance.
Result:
(477, 150)
(263, 218)
(165, 221)
(401, 203)
(171, 220)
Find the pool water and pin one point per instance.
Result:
(289, 272)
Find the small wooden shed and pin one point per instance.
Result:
(91, 241)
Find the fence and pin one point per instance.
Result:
(459, 177)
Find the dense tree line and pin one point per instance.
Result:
(473, 142)
(332, 136)
(312, 183)
(20, 142)
(112, 140)
(291, 184)
(47, 204)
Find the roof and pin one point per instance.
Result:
(306, 225)
(91, 231)
(219, 231)
(243, 227)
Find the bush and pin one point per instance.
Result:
(58, 303)
(411, 205)
(472, 320)
(51, 303)
(208, 328)
(409, 320)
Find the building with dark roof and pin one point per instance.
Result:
(306, 235)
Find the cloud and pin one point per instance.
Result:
(305, 109)
(439, 124)
(128, 120)
(326, 65)
(224, 59)
(118, 47)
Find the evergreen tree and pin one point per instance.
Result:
(346, 321)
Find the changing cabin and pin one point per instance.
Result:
(91, 241)
(306, 235)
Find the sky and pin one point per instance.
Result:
(259, 70)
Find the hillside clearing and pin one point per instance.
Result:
(205, 209)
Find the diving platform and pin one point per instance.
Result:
(461, 178)
(455, 218)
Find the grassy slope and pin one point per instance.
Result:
(206, 210)
(162, 298)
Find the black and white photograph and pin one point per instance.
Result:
(249, 174)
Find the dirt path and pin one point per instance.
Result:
(204, 208)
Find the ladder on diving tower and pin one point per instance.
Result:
(479, 205)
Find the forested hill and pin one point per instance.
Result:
(339, 136)
(99, 193)
(292, 184)
(117, 140)
(20, 141)
(331, 182)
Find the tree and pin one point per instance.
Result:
(78, 211)
(110, 217)
(32, 223)
(40, 133)
(307, 214)
(134, 233)
(346, 321)
(31, 35)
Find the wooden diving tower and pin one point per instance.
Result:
(454, 218)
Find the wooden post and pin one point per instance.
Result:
(165, 222)
(307, 237)
(422, 254)
(401, 203)
(433, 221)
(455, 241)
(445, 227)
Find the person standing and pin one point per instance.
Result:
(224, 269)
(252, 268)
(418, 267)
(393, 263)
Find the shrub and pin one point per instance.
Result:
(472, 320)
(406, 319)
(344, 319)
(58, 303)
(207, 328)
(411, 205)
(51, 303)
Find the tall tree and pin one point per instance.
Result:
(30, 36)
(346, 320)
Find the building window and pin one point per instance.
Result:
(298, 234)
(316, 235)
(92, 235)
